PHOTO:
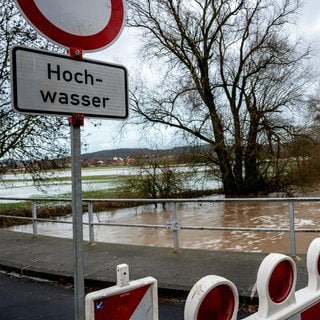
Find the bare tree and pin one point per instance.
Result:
(157, 176)
(229, 74)
(24, 139)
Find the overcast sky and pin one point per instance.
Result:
(124, 50)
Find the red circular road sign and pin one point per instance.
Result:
(88, 25)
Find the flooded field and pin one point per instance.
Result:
(21, 185)
(273, 215)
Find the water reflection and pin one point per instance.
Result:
(234, 215)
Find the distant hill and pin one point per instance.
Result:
(119, 153)
(133, 152)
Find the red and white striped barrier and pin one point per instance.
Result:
(215, 297)
(128, 300)
(276, 282)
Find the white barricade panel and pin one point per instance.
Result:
(276, 288)
(214, 297)
(313, 265)
(276, 282)
(134, 300)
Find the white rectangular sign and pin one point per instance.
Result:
(50, 83)
(138, 300)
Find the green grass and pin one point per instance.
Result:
(14, 206)
(52, 209)
(110, 193)
(53, 178)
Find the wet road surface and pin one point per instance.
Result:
(23, 298)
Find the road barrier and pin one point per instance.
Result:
(276, 282)
(134, 300)
(213, 297)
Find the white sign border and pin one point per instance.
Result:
(14, 90)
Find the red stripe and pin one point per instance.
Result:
(120, 306)
(91, 42)
(311, 313)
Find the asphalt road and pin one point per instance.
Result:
(29, 299)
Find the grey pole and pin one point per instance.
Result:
(79, 295)
(34, 219)
(293, 249)
(90, 218)
(176, 228)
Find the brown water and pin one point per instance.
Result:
(244, 215)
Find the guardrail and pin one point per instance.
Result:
(174, 223)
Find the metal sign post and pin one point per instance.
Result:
(79, 307)
(75, 122)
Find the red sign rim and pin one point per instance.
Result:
(88, 43)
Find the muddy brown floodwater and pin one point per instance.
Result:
(273, 215)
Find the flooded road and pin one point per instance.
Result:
(273, 215)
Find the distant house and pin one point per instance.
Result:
(100, 163)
